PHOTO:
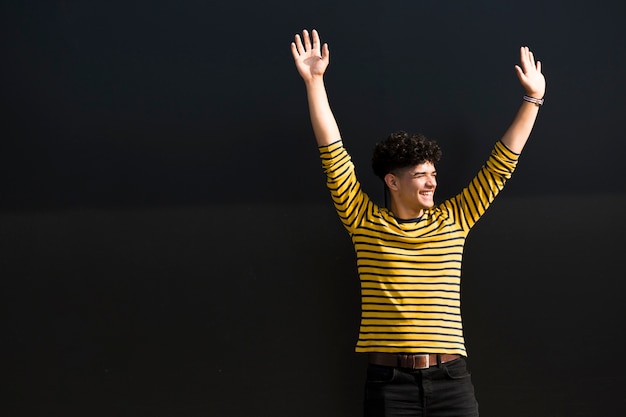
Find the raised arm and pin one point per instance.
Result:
(534, 84)
(311, 60)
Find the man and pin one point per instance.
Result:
(409, 255)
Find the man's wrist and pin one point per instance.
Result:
(315, 80)
(531, 99)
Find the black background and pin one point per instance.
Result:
(168, 247)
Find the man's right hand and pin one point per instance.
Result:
(311, 59)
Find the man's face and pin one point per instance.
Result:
(416, 186)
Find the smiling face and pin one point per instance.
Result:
(412, 190)
(406, 163)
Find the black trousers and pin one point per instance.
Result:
(444, 390)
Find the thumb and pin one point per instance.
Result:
(325, 52)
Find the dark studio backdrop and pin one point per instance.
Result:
(167, 244)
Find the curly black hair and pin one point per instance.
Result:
(401, 150)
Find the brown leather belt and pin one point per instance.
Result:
(410, 361)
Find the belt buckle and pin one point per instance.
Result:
(422, 356)
(415, 361)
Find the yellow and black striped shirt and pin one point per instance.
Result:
(410, 272)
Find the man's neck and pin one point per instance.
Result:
(405, 213)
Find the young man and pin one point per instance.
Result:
(409, 256)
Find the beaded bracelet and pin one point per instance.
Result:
(537, 101)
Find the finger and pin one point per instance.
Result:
(294, 51)
(325, 52)
(298, 45)
(307, 40)
(527, 59)
(316, 40)
(538, 66)
(523, 57)
(520, 73)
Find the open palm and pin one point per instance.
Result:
(529, 74)
(310, 56)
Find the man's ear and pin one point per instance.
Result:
(391, 181)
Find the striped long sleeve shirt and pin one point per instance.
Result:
(410, 272)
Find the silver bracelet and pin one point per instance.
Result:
(537, 101)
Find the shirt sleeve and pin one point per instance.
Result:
(350, 201)
(472, 202)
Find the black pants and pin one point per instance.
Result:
(444, 390)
